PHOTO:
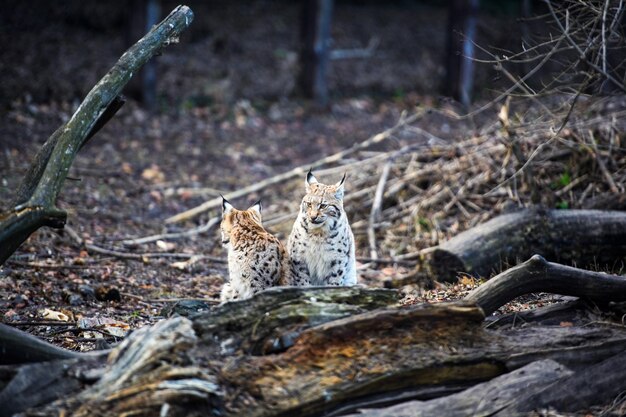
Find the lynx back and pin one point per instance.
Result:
(256, 259)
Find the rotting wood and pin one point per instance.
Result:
(586, 237)
(347, 347)
(43, 183)
(538, 275)
(485, 399)
(595, 385)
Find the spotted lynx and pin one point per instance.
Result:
(256, 259)
(321, 244)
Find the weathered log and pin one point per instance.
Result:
(337, 358)
(36, 197)
(595, 385)
(573, 311)
(37, 384)
(271, 321)
(584, 237)
(485, 399)
(538, 275)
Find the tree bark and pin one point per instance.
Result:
(585, 237)
(347, 348)
(315, 49)
(486, 399)
(36, 198)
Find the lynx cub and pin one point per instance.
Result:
(321, 244)
(256, 259)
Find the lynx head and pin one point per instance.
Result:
(232, 218)
(323, 204)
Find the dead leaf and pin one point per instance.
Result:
(153, 174)
(53, 315)
(166, 246)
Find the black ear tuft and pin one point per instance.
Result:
(258, 203)
(309, 175)
(226, 206)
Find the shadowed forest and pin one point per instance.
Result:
(481, 143)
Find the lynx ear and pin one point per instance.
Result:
(256, 209)
(310, 180)
(339, 188)
(226, 206)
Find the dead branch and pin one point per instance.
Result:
(298, 171)
(376, 209)
(37, 195)
(205, 228)
(142, 257)
(538, 275)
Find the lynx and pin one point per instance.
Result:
(256, 259)
(321, 244)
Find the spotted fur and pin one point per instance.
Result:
(256, 259)
(321, 243)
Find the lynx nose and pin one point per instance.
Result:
(317, 219)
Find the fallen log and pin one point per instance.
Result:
(336, 360)
(595, 385)
(486, 399)
(538, 275)
(585, 237)
(35, 201)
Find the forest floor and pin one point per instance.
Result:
(237, 123)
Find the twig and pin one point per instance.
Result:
(136, 256)
(41, 323)
(175, 300)
(295, 172)
(582, 54)
(173, 236)
(376, 209)
(602, 166)
(390, 261)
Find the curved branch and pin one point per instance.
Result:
(38, 192)
(539, 275)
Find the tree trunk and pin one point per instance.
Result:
(461, 37)
(315, 49)
(585, 237)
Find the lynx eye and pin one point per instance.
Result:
(323, 206)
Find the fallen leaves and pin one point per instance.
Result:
(108, 326)
(54, 315)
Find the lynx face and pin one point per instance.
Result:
(323, 204)
(321, 243)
